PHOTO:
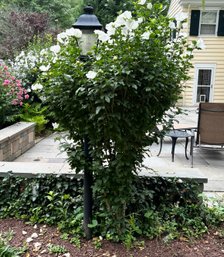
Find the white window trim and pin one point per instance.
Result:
(203, 66)
(217, 20)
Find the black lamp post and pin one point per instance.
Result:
(87, 23)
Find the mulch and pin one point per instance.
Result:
(210, 245)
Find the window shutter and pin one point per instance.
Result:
(221, 23)
(195, 18)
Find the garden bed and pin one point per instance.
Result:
(16, 139)
(211, 244)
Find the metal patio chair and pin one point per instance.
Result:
(210, 129)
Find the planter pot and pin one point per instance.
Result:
(16, 139)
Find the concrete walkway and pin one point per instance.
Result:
(46, 157)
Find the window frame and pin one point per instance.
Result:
(203, 66)
(216, 24)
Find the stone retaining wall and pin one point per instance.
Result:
(16, 139)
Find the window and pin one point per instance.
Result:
(203, 84)
(208, 23)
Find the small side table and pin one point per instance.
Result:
(175, 134)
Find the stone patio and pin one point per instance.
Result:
(46, 157)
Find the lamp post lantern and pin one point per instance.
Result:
(87, 23)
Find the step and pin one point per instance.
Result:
(174, 172)
(35, 169)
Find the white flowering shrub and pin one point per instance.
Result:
(116, 97)
(27, 65)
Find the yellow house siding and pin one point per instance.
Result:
(212, 54)
(174, 8)
(186, 96)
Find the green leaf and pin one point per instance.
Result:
(93, 224)
(135, 87)
(107, 99)
(98, 109)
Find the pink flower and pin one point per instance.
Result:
(12, 88)
(6, 82)
(14, 102)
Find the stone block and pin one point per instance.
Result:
(31, 136)
(15, 146)
(7, 148)
(17, 154)
(16, 139)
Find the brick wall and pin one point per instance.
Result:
(16, 139)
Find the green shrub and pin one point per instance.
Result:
(116, 96)
(166, 208)
(34, 113)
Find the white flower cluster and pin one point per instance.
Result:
(143, 2)
(64, 36)
(37, 87)
(55, 125)
(125, 22)
(25, 62)
(146, 35)
(127, 25)
(180, 19)
(91, 75)
(200, 44)
(44, 67)
(55, 49)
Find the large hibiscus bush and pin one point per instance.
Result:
(12, 95)
(115, 97)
